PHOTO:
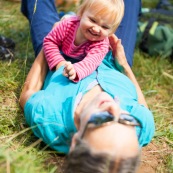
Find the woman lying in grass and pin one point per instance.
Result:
(101, 122)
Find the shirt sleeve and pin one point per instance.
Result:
(45, 120)
(145, 118)
(96, 53)
(52, 43)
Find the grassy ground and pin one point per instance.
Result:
(21, 152)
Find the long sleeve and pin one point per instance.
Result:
(93, 59)
(61, 39)
(52, 43)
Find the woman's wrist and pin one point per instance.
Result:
(127, 69)
(122, 66)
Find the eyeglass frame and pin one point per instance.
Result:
(124, 118)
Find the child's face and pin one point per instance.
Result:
(95, 27)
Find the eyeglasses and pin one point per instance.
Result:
(105, 118)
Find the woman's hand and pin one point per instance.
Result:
(120, 58)
(118, 50)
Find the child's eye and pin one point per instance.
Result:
(92, 20)
(105, 27)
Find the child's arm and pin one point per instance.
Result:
(51, 45)
(95, 54)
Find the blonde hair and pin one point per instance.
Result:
(112, 8)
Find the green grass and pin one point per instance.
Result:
(21, 152)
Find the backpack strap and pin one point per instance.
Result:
(162, 11)
(144, 39)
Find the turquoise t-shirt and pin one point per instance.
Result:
(50, 112)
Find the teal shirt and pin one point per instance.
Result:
(50, 112)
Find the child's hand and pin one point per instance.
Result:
(60, 64)
(69, 71)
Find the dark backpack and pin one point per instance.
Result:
(155, 33)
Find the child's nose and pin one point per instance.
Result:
(96, 29)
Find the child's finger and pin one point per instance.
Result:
(65, 73)
(67, 63)
(72, 77)
(69, 67)
(71, 72)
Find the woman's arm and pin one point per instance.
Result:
(35, 78)
(130, 74)
(118, 52)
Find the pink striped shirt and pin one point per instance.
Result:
(61, 39)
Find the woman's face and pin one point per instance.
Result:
(117, 139)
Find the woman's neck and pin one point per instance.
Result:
(84, 101)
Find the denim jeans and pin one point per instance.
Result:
(127, 31)
(45, 15)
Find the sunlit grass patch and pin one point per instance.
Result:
(158, 90)
(21, 151)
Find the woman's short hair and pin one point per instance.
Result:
(82, 160)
